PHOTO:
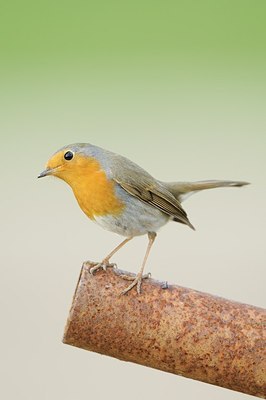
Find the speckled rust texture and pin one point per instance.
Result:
(173, 329)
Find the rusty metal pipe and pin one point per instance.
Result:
(171, 328)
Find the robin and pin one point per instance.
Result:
(122, 197)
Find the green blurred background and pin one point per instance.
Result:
(178, 87)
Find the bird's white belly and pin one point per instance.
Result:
(137, 219)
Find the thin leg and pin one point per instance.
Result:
(138, 279)
(105, 262)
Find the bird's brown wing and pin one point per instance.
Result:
(153, 193)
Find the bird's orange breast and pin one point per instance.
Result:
(94, 192)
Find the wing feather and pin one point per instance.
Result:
(158, 196)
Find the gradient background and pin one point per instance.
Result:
(179, 87)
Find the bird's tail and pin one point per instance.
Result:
(182, 190)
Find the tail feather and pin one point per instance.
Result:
(182, 190)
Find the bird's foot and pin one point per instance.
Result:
(101, 265)
(136, 281)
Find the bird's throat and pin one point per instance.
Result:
(94, 192)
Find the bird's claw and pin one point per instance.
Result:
(101, 265)
(136, 281)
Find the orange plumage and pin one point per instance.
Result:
(93, 191)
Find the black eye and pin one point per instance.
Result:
(68, 155)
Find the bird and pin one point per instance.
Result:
(122, 197)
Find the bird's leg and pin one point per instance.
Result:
(138, 279)
(105, 262)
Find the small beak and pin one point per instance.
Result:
(46, 172)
